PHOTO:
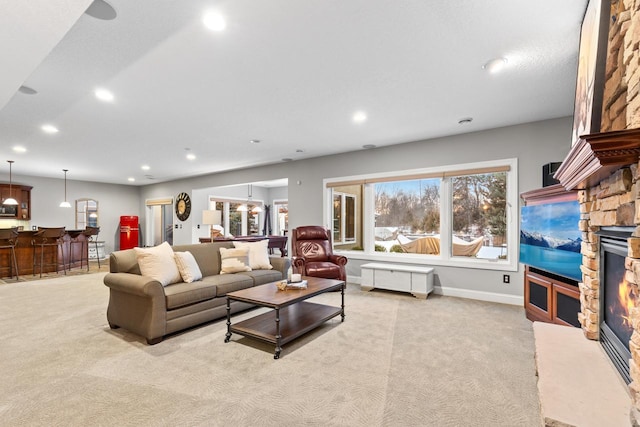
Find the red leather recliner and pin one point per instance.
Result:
(313, 253)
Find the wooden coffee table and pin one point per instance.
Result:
(291, 316)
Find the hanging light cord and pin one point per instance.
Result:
(10, 181)
(65, 184)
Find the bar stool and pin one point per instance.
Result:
(8, 240)
(73, 240)
(89, 234)
(48, 237)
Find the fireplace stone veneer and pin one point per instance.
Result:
(611, 203)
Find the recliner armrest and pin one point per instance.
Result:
(298, 264)
(338, 259)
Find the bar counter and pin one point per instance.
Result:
(72, 245)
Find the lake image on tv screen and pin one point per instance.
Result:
(550, 238)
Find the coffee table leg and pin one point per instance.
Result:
(276, 355)
(342, 292)
(228, 335)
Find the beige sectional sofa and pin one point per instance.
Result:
(142, 305)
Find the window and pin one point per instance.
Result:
(452, 215)
(406, 211)
(479, 215)
(344, 218)
(282, 216)
(86, 213)
(235, 222)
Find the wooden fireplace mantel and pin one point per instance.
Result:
(595, 156)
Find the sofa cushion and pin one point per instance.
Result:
(181, 294)
(258, 254)
(158, 263)
(234, 260)
(234, 282)
(187, 266)
(260, 277)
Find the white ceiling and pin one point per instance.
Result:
(290, 73)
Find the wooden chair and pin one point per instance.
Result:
(8, 240)
(44, 238)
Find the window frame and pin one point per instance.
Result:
(244, 217)
(444, 258)
(343, 218)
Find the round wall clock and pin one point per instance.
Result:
(183, 206)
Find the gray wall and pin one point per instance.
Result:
(533, 144)
(47, 193)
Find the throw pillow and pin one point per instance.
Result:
(188, 267)
(158, 263)
(258, 254)
(234, 260)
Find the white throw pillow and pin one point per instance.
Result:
(258, 254)
(234, 260)
(158, 263)
(188, 267)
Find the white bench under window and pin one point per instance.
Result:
(395, 277)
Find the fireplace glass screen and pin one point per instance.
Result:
(618, 299)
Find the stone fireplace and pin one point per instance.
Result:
(603, 167)
(610, 226)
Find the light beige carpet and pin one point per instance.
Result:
(395, 361)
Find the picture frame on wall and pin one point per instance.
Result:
(591, 69)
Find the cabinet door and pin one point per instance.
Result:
(537, 298)
(393, 280)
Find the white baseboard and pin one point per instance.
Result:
(479, 295)
(466, 293)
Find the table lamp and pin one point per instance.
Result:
(213, 218)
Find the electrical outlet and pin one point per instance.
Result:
(506, 278)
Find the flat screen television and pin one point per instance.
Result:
(550, 239)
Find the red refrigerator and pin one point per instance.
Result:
(128, 232)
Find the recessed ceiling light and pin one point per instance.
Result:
(255, 141)
(100, 9)
(104, 95)
(360, 117)
(214, 21)
(27, 90)
(145, 167)
(191, 156)
(131, 179)
(49, 128)
(367, 146)
(19, 149)
(465, 120)
(495, 65)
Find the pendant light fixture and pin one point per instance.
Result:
(245, 206)
(65, 204)
(10, 200)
